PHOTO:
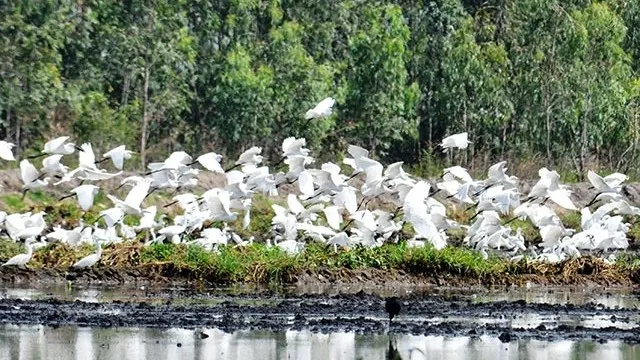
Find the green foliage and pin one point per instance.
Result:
(527, 79)
(101, 125)
(379, 99)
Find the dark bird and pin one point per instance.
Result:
(392, 352)
(393, 307)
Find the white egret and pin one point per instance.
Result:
(323, 109)
(52, 166)
(5, 151)
(131, 204)
(250, 157)
(118, 155)
(90, 260)
(21, 260)
(59, 146)
(30, 177)
(460, 141)
(86, 157)
(211, 161)
(85, 194)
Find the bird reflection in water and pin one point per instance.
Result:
(394, 354)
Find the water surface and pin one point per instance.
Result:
(77, 343)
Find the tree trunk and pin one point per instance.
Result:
(145, 119)
(125, 89)
(18, 136)
(548, 124)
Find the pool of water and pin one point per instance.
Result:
(66, 343)
(609, 298)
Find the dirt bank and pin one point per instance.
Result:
(586, 271)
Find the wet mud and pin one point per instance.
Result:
(425, 314)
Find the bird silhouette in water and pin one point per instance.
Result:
(393, 307)
(392, 351)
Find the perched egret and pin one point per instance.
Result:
(90, 260)
(21, 260)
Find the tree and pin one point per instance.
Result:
(154, 56)
(380, 102)
(298, 84)
(31, 84)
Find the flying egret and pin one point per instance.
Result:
(250, 157)
(131, 204)
(210, 161)
(117, 155)
(5, 151)
(460, 141)
(111, 216)
(323, 109)
(85, 194)
(57, 146)
(52, 166)
(30, 177)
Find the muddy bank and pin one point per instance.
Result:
(362, 313)
(583, 272)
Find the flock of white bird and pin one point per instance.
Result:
(327, 206)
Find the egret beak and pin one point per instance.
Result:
(36, 156)
(66, 197)
(511, 220)
(231, 168)
(171, 203)
(593, 200)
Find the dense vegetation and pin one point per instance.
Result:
(527, 78)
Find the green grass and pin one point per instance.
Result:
(258, 263)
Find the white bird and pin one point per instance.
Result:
(58, 146)
(85, 194)
(250, 157)
(173, 232)
(86, 157)
(52, 166)
(460, 141)
(131, 204)
(416, 212)
(30, 176)
(601, 185)
(112, 216)
(323, 109)
(5, 151)
(211, 162)
(118, 155)
(21, 260)
(333, 216)
(292, 146)
(90, 260)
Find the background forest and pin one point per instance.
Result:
(532, 81)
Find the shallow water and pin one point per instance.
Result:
(608, 298)
(66, 343)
